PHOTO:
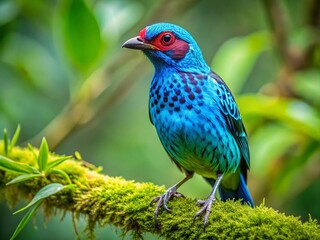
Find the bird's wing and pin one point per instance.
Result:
(233, 119)
(150, 113)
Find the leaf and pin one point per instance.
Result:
(307, 85)
(235, 59)
(12, 166)
(77, 155)
(57, 162)
(25, 220)
(5, 141)
(30, 147)
(295, 114)
(15, 137)
(268, 148)
(80, 33)
(43, 155)
(43, 193)
(24, 177)
(62, 173)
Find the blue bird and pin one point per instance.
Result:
(195, 115)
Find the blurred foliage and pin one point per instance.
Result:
(63, 75)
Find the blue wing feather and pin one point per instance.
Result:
(233, 119)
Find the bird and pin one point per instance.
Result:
(195, 116)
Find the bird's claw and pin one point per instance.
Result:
(206, 208)
(200, 202)
(162, 201)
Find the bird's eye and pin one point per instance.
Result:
(167, 39)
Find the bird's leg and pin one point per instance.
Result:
(164, 198)
(206, 205)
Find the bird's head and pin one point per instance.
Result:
(167, 44)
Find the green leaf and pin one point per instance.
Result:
(30, 147)
(268, 148)
(80, 33)
(295, 114)
(43, 193)
(77, 155)
(235, 59)
(57, 162)
(25, 220)
(5, 141)
(43, 155)
(24, 177)
(15, 137)
(307, 85)
(62, 173)
(12, 166)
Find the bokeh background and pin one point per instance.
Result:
(64, 75)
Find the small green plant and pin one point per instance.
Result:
(26, 172)
(9, 144)
(36, 202)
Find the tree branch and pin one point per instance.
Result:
(126, 204)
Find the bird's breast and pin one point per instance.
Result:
(189, 126)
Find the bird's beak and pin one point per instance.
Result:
(137, 43)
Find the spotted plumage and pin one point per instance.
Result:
(195, 116)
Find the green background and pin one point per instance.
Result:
(64, 75)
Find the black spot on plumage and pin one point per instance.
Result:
(182, 100)
(218, 91)
(171, 85)
(187, 89)
(198, 90)
(166, 94)
(182, 75)
(162, 105)
(158, 96)
(194, 82)
(177, 91)
(155, 102)
(165, 99)
(158, 110)
(224, 97)
(200, 76)
(189, 106)
(174, 98)
(191, 96)
(175, 80)
(177, 109)
(213, 155)
(204, 150)
(171, 104)
(190, 76)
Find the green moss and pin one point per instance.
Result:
(126, 204)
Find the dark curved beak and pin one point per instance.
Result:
(137, 43)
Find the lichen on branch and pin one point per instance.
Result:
(126, 204)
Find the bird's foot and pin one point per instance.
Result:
(162, 201)
(206, 208)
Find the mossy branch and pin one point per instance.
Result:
(126, 204)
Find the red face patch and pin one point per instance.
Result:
(168, 43)
(142, 33)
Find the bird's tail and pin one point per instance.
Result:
(241, 193)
